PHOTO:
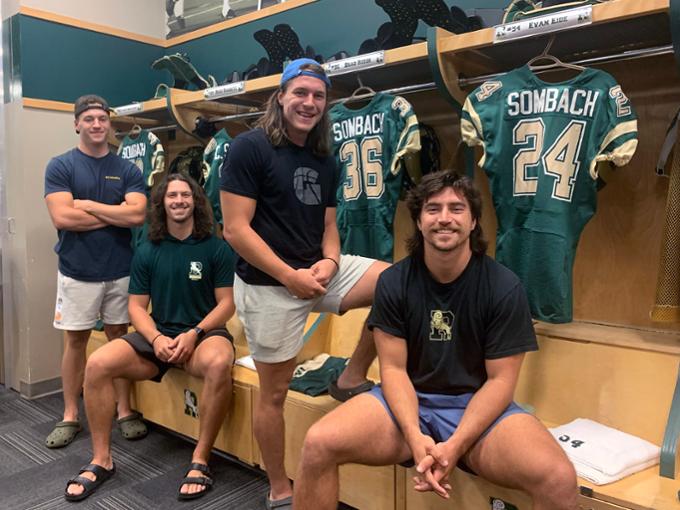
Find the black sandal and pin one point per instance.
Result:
(205, 481)
(89, 486)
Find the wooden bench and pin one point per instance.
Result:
(619, 377)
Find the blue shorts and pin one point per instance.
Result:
(440, 415)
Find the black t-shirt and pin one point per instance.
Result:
(292, 188)
(451, 329)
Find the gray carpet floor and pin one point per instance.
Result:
(33, 477)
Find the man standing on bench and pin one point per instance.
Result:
(451, 327)
(93, 197)
(278, 199)
(187, 274)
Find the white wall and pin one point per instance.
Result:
(146, 17)
(29, 262)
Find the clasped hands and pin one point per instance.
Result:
(308, 283)
(175, 350)
(434, 462)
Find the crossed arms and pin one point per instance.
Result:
(434, 461)
(68, 213)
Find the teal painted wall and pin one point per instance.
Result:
(60, 62)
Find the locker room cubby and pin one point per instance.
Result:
(612, 364)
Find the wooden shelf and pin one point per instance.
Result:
(403, 66)
(617, 26)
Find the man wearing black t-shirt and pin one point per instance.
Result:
(278, 193)
(451, 327)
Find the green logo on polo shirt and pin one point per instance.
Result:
(195, 270)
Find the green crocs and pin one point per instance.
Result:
(63, 434)
(132, 426)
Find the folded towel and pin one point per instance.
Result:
(603, 454)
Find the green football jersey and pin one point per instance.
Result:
(369, 144)
(542, 142)
(145, 151)
(213, 158)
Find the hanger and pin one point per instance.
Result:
(361, 92)
(555, 62)
(135, 131)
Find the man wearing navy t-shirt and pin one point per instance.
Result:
(93, 198)
(451, 327)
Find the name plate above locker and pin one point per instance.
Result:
(357, 63)
(128, 109)
(559, 20)
(230, 89)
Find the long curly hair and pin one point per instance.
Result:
(431, 185)
(203, 215)
(273, 122)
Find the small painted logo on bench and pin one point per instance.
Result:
(499, 504)
(195, 271)
(441, 323)
(190, 403)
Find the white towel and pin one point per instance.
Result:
(602, 454)
(246, 361)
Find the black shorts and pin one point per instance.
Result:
(145, 349)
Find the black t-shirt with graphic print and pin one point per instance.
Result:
(451, 329)
(292, 188)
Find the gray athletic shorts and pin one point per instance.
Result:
(80, 304)
(274, 320)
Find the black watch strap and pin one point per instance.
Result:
(199, 332)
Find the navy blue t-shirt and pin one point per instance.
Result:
(105, 253)
(451, 329)
(292, 188)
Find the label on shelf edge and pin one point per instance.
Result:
(129, 109)
(560, 20)
(230, 89)
(357, 63)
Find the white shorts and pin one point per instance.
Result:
(274, 320)
(80, 304)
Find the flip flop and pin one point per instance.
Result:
(89, 486)
(63, 434)
(132, 426)
(281, 504)
(344, 394)
(205, 481)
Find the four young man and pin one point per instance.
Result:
(451, 326)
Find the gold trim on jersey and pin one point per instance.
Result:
(622, 154)
(410, 138)
(471, 130)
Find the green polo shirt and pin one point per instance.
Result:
(181, 278)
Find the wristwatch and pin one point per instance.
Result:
(199, 332)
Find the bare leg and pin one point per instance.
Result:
(113, 360)
(269, 427)
(520, 453)
(73, 370)
(362, 357)
(122, 386)
(212, 361)
(360, 431)
(361, 295)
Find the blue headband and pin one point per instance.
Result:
(293, 70)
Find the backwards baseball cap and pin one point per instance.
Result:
(90, 102)
(293, 70)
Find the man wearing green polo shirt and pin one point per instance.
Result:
(187, 274)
